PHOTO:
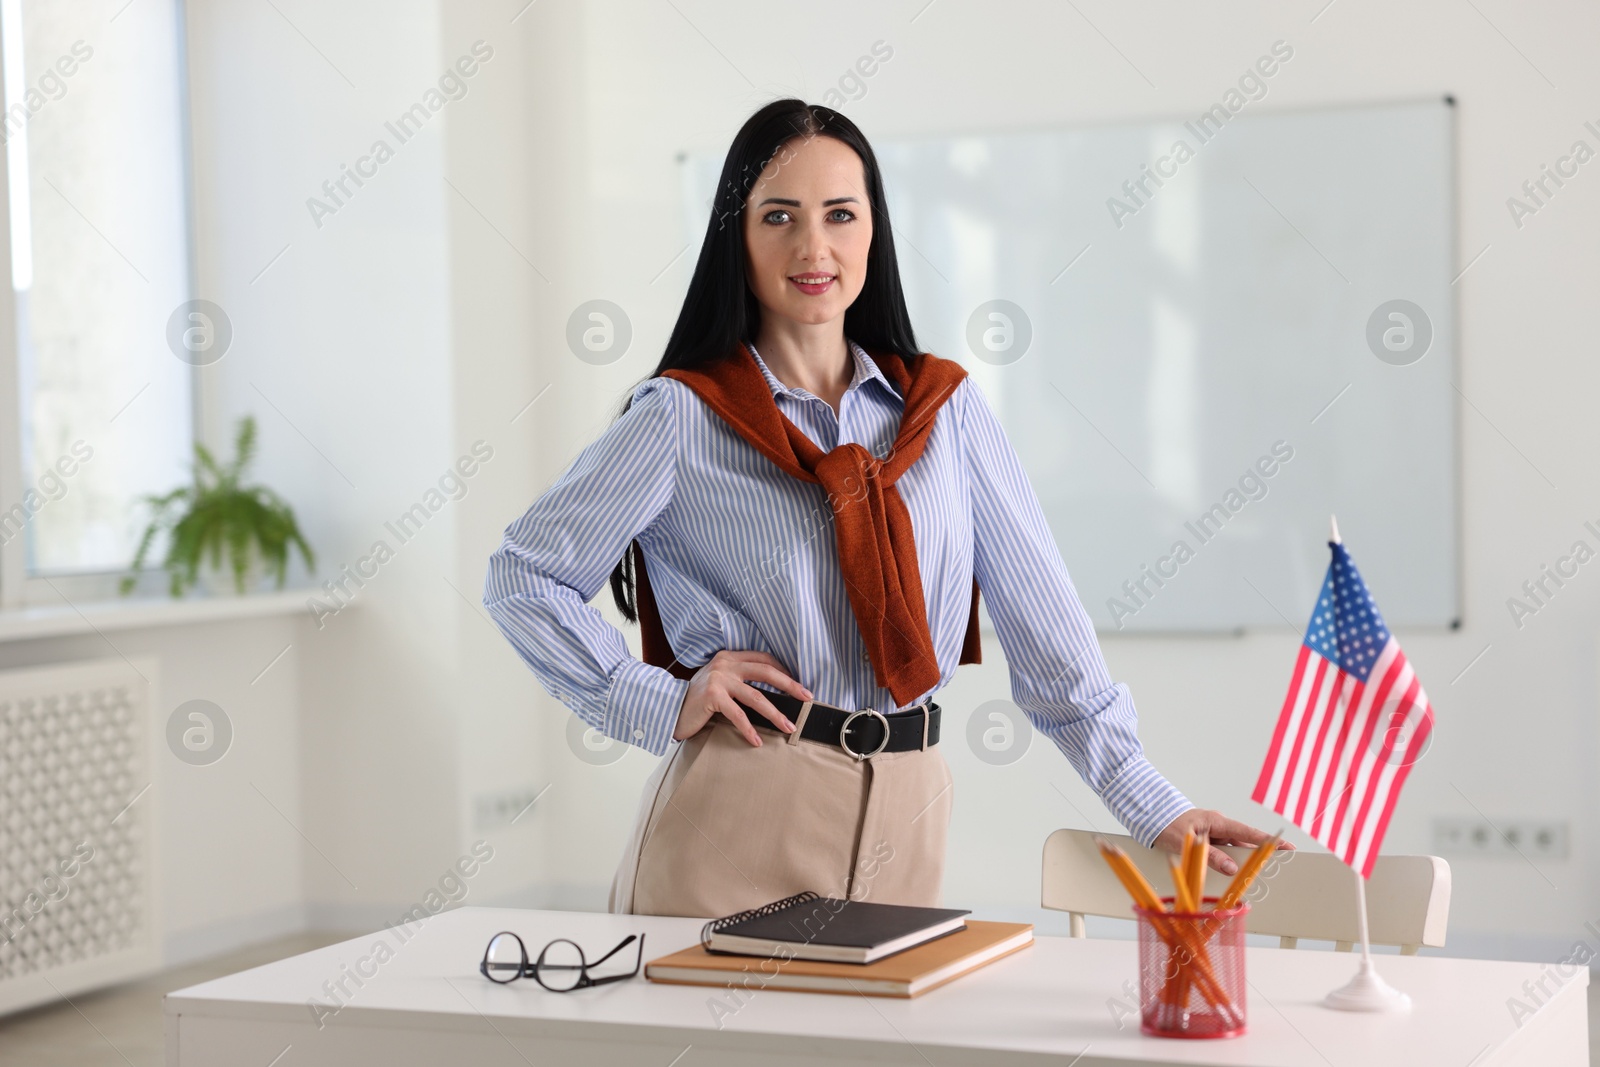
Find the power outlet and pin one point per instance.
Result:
(1471, 835)
(1539, 839)
(505, 807)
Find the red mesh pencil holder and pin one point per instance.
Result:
(1191, 971)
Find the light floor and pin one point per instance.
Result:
(121, 1026)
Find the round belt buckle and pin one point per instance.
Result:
(844, 733)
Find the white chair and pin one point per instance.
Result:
(1301, 894)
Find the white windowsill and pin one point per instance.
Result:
(23, 624)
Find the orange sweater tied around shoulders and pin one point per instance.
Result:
(877, 549)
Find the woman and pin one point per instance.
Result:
(814, 506)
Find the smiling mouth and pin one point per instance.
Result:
(812, 284)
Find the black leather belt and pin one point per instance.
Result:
(863, 734)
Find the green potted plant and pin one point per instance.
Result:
(216, 515)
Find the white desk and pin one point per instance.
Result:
(1046, 1004)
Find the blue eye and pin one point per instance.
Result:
(768, 217)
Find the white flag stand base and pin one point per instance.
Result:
(1366, 991)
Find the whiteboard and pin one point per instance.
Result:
(1216, 361)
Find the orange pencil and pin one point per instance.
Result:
(1183, 893)
(1175, 990)
(1180, 939)
(1197, 870)
(1184, 860)
(1248, 871)
(1132, 880)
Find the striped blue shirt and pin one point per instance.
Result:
(743, 556)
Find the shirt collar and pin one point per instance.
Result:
(865, 369)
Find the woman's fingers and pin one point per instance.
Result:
(774, 676)
(727, 690)
(1228, 831)
(1232, 832)
(755, 699)
(765, 668)
(682, 732)
(735, 715)
(1220, 861)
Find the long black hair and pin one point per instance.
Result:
(720, 310)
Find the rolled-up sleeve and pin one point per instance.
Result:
(1058, 675)
(561, 552)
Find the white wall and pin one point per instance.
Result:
(341, 351)
(423, 317)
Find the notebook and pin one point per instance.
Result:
(811, 927)
(905, 974)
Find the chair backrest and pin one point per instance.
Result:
(1299, 894)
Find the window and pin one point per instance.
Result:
(96, 238)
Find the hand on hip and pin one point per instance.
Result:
(719, 687)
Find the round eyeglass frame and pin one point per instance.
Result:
(524, 969)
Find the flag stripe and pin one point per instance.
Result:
(1336, 757)
(1339, 773)
(1352, 725)
(1294, 709)
(1303, 703)
(1338, 700)
(1360, 754)
(1384, 769)
(1349, 752)
(1363, 771)
(1313, 701)
(1419, 737)
(1270, 766)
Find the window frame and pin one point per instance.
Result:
(20, 587)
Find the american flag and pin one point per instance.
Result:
(1354, 723)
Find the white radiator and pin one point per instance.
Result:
(77, 861)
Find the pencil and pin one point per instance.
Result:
(1175, 990)
(1248, 871)
(1185, 865)
(1180, 939)
(1183, 894)
(1132, 880)
(1197, 870)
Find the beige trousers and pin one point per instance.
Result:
(724, 825)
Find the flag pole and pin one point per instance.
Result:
(1366, 991)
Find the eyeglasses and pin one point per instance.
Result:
(560, 967)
